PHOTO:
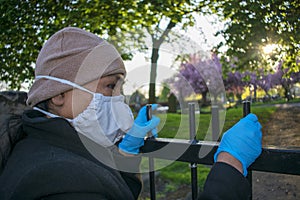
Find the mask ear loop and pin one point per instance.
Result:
(63, 81)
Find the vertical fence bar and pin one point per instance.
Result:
(193, 166)
(246, 108)
(215, 122)
(152, 178)
(246, 111)
(151, 159)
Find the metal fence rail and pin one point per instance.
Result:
(283, 161)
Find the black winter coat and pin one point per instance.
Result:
(52, 163)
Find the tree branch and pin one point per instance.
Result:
(164, 34)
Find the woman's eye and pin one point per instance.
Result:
(111, 86)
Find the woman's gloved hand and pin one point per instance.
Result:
(243, 141)
(134, 138)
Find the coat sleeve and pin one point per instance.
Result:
(225, 182)
(129, 167)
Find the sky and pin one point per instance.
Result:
(191, 41)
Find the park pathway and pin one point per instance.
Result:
(282, 130)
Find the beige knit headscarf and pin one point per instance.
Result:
(75, 55)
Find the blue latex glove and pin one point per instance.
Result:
(243, 141)
(134, 138)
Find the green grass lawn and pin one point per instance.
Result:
(177, 126)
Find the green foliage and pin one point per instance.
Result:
(164, 94)
(20, 39)
(26, 25)
(251, 25)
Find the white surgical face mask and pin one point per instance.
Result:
(104, 121)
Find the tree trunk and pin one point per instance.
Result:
(172, 102)
(204, 98)
(287, 91)
(154, 59)
(156, 42)
(239, 97)
(254, 93)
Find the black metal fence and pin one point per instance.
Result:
(283, 161)
(276, 160)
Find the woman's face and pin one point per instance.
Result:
(76, 100)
